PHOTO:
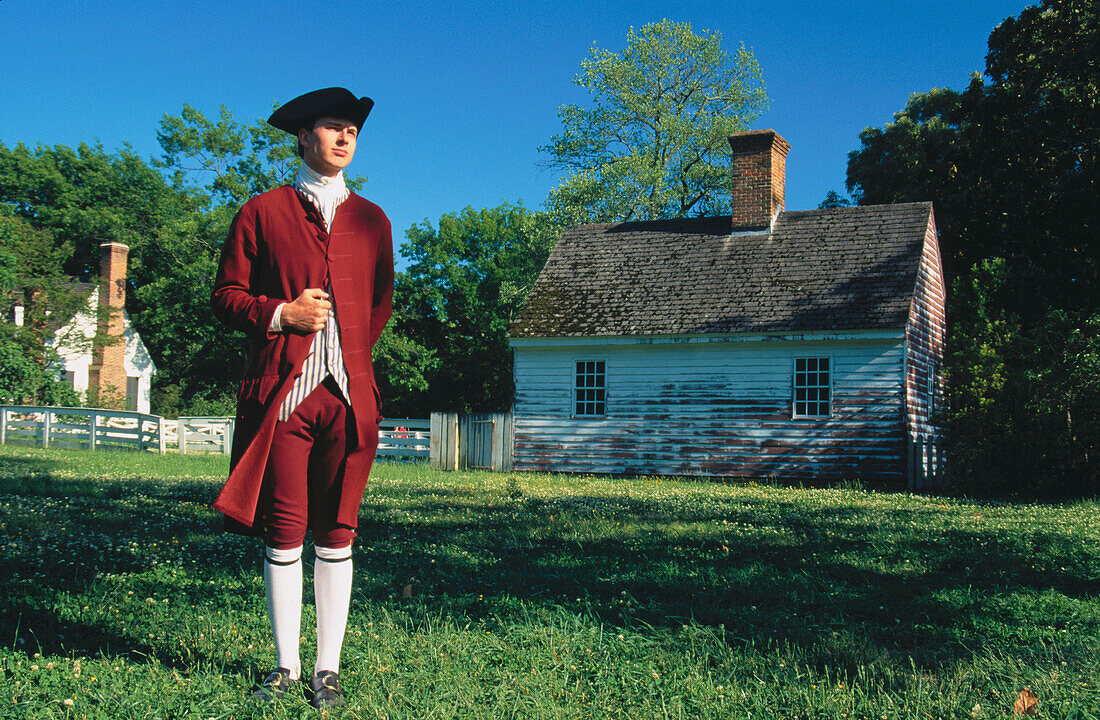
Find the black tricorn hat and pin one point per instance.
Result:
(304, 110)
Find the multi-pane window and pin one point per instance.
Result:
(590, 388)
(811, 387)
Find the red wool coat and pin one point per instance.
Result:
(278, 247)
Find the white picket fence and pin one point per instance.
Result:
(204, 435)
(84, 428)
(98, 429)
(404, 438)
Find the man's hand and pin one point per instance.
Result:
(308, 312)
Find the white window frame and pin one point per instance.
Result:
(598, 398)
(814, 388)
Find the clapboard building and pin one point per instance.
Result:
(101, 356)
(802, 345)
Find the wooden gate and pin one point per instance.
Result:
(461, 441)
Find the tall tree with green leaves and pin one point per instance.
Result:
(32, 277)
(227, 159)
(466, 280)
(1010, 163)
(1011, 167)
(654, 143)
(88, 196)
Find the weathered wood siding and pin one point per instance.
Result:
(713, 408)
(925, 333)
(924, 339)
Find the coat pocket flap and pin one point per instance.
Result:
(257, 389)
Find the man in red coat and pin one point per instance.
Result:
(307, 274)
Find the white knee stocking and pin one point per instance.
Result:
(283, 581)
(332, 589)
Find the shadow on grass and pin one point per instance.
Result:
(824, 579)
(837, 592)
(62, 533)
(14, 467)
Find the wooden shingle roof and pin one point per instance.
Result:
(831, 269)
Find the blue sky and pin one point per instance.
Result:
(465, 92)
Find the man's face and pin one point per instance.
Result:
(329, 146)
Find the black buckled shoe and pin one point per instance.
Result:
(326, 690)
(277, 684)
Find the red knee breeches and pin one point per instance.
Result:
(305, 470)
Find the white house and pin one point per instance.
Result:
(73, 343)
(762, 343)
(121, 371)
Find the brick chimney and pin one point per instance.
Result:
(107, 374)
(760, 177)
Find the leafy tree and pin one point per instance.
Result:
(833, 199)
(1010, 165)
(23, 379)
(229, 160)
(403, 368)
(1025, 406)
(88, 196)
(466, 281)
(31, 276)
(655, 143)
(199, 363)
(916, 158)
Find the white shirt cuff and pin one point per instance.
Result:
(277, 319)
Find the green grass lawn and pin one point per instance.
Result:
(543, 596)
